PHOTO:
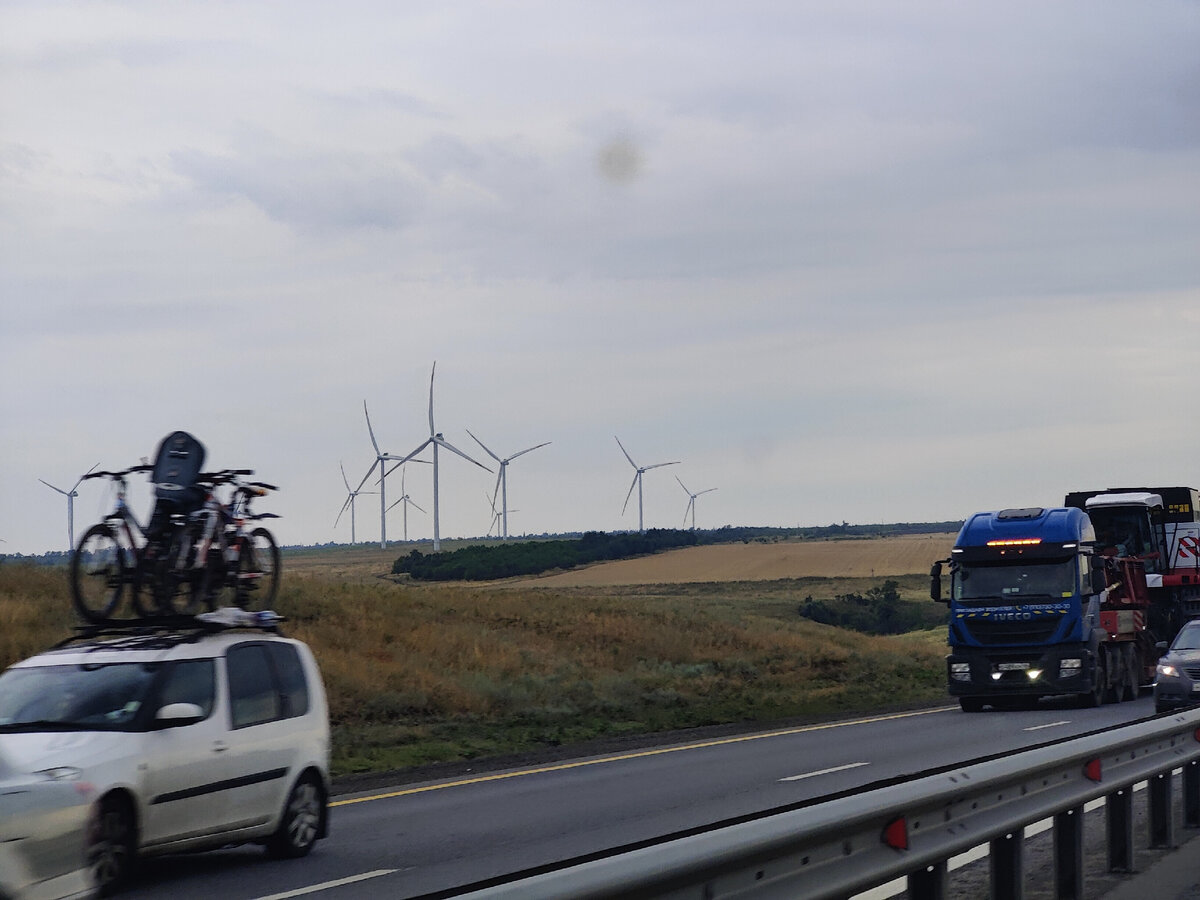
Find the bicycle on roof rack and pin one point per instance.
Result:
(231, 565)
(120, 554)
(184, 562)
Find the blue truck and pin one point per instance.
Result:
(1074, 600)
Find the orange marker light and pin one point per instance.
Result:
(1014, 542)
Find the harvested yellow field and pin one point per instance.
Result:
(875, 557)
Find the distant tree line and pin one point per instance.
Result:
(485, 562)
(879, 611)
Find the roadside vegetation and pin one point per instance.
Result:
(418, 674)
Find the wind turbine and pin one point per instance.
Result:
(351, 494)
(70, 495)
(437, 440)
(691, 507)
(380, 459)
(637, 482)
(495, 514)
(407, 501)
(502, 478)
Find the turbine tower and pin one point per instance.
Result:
(437, 440)
(637, 482)
(351, 494)
(70, 495)
(407, 501)
(380, 459)
(502, 478)
(691, 507)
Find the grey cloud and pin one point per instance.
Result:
(310, 192)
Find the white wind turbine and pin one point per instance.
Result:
(637, 482)
(70, 495)
(406, 500)
(495, 514)
(502, 478)
(437, 440)
(380, 459)
(691, 507)
(351, 494)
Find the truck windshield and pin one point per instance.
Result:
(1016, 581)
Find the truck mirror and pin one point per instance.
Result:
(935, 582)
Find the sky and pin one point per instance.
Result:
(871, 262)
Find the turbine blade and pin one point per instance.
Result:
(484, 446)
(445, 443)
(49, 485)
(345, 506)
(83, 476)
(682, 485)
(411, 503)
(397, 503)
(688, 509)
(365, 477)
(658, 465)
(706, 491)
(496, 489)
(626, 452)
(632, 485)
(432, 372)
(344, 478)
(370, 430)
(523, 452)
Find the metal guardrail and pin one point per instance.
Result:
(911, 830)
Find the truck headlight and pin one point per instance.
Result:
(960, 671)
(1069, 668)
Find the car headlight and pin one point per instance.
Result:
(1167, 669)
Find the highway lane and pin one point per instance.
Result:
(428, 837)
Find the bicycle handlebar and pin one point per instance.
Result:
(122, 474)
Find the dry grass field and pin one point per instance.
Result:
(867, 558)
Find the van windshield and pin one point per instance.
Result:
(1033, 580)
(89, 697)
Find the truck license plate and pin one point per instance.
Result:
(1013, 667)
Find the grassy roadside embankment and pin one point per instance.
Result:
(420, 674)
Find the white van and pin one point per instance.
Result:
(192, 739)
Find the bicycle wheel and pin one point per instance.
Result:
(258, 571)
(97, 574)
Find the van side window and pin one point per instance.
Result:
(191, 681)
(253, 696)
(292, 686)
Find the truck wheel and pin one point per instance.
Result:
(1129, 658)
(970, 704)
(1099, 689)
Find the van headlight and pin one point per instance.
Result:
(1166, 669)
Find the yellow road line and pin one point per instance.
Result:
(499, 776)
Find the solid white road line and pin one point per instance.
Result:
(824, 771)
(314, 888)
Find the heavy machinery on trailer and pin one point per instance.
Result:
(1071, 600)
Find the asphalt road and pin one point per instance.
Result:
(418, 838)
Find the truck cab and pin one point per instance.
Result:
(1025, 606)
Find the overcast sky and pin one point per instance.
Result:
(871, 262)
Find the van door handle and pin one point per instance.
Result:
(219, 746)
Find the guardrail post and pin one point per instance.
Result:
(1162, 831)
(1118, 819)
(1191, 794)
(1068, 854)
(1008, 866)
(930, 883)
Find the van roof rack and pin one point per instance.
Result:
(168, 631)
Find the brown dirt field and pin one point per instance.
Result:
(876, 557)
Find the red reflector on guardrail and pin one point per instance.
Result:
(1196, 735)
(1092, 770)
(895, 834)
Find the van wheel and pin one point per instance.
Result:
(111, 852)
(301, 821)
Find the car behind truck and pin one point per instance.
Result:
(1075, 600)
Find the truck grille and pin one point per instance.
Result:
(992, 632)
